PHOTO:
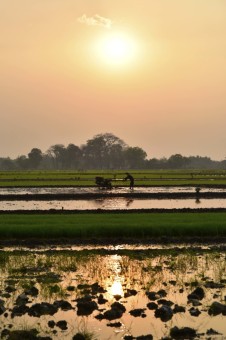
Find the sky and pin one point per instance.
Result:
(152, 72)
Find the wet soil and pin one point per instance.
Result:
(110, 194)
(219, 242)
(112, 211)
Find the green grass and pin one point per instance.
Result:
(87, 178)
(112, 225)
(91, 183)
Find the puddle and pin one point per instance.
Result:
(132, 278)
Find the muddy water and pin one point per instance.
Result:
(127, 276)
(114, 204)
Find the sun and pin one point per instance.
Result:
(116, 49)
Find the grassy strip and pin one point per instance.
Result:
(113, 225)
(91, 183)
(87, 178)
(92, 173)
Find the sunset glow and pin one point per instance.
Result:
(116, 49)
(157, 68)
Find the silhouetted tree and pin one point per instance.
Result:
(57, 153)
(100, 150)
(197, 162)
(73, 156)
(177, 161)
(116, 157)
(134, 157)
(223, 164)
(22, 162)
(155, 163)
(35, 157)
(7, 164)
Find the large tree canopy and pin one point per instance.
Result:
(103, 150)
(35, 158)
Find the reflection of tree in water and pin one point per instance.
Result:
(197, 201)
(99, 202)
(129, 201)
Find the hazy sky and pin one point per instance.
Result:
(160, 85)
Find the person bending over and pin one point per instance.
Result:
(131, 179)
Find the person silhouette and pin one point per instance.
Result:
(131, 179)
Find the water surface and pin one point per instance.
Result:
(116, 272)
(114, 204)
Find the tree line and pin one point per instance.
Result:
(103, 151)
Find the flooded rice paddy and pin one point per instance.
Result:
(116, 199)
(117, 293)
(116, 203)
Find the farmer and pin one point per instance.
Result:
(131, 179)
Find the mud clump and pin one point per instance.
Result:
(96, 288)
(138, 312)
(85, 306)
(214, 285)
(2, 307)
(63, 305)
(197, 294)
(78, 336)
(62, 324)
(114, 324)
(19, 310)
(130, 292)
(194, 311)
(165, 302)
(165, 313)
(156, 295)
(101, 300)
(152, 305)
(33, 291)
(183, 333)
(217, 308)
(43, 308)
(22, 299)
(116, 311)
(179, 309)
(51, 323)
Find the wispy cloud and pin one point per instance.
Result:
(95, 20)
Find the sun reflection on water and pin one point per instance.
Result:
(117, 279)
(116, 288)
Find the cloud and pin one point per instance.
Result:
(95, 20)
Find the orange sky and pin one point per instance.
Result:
(55, 87)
